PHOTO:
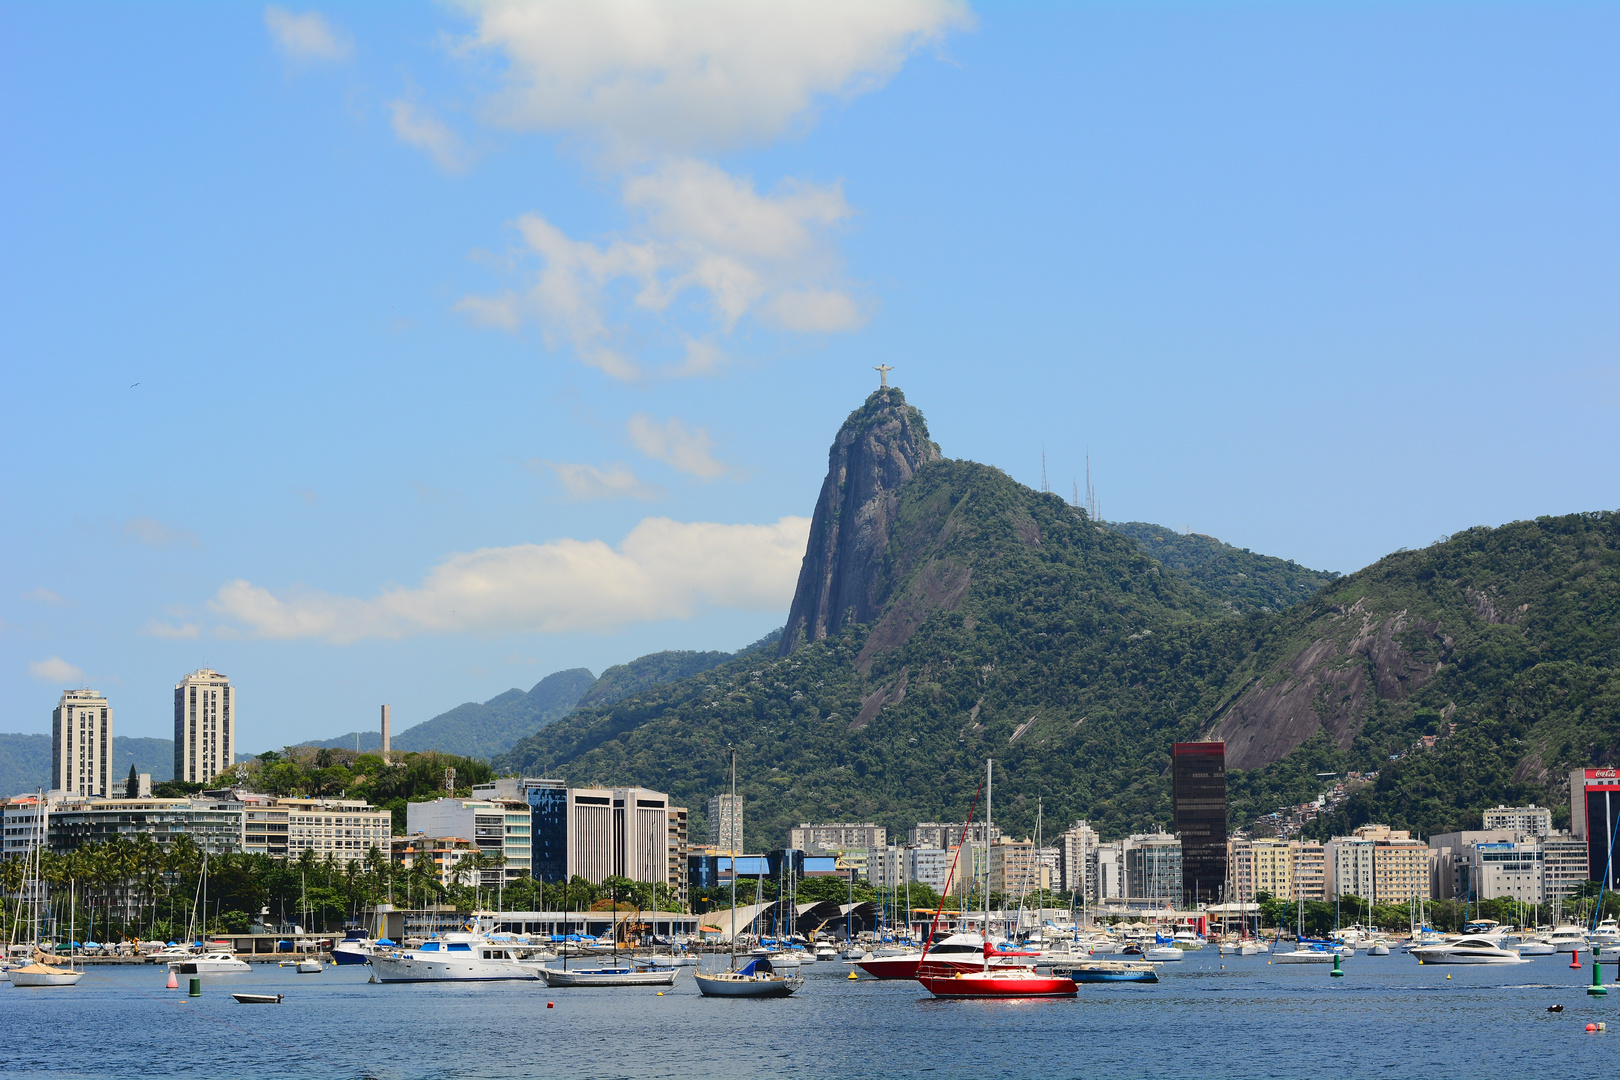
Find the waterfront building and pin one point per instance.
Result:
(1310, 869)
(1529, 820)
(497, 826)
(445, 853)
(1274, 868)
(1016, 868)
(1198, 792)
(678, 841)
(1078, 848)
(839, 836)
(1380, 864)
(205, 710)
(928, 865)
(1489, 863)
(1108, 871)
(346, 829)
(726, 823)
(214, 828)
(81, 744)
(940, 834)
(1594, 806)
(1153, 870)
(886, 867)
(23, 820)
(1240, 870)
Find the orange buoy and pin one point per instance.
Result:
(551, 1005)
(173, 983)
(1591, 1027)
(1575, 958)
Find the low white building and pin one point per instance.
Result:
(497, 826)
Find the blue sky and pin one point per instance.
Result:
(408, 353)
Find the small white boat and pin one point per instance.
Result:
(212, 963)
(1537, 947)
(609, 976)
(1378, 948)
(1467, 950)
(1251, 947)
(1164, 953)
(42, 974)
(1305, 955)
(756, 979)
(825, 951)
(677, 961)
(258, 999)
(312, 966)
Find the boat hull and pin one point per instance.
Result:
(44, 975)
(416, 969)
(1109, 972)
(996, 984)
(214, 967)
(556, 977)
(1437, 956)
(1307, 956)
(724, 984)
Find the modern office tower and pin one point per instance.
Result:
(1153, 868)
(726, 823)
(81, 744)
(1198, 785)
(204, 726)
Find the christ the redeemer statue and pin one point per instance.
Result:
(883, 375)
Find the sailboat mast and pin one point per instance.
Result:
(733, 835)
(988, 774)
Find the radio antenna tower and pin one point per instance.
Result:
(1091, 492)
(1044, 485)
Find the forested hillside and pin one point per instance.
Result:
(1245, 581)
(1009, 625)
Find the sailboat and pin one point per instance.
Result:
(40, 971)
(988, 981)
(758, 978)
(1303, 953)
(615, 974)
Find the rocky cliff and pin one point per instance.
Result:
(842, 580)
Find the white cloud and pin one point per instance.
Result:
(698, 229)
(154, 533)
(663, 569)
(309, 36)
(814, 310)
(55, 670)
(417, 127)
(673, 443)
(168, 631)
(700, 74)
(587, 482)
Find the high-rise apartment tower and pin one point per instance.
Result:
(81, 744)
(204, 726)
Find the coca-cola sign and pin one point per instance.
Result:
(1601, 774)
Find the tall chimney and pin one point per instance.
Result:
(385, 732)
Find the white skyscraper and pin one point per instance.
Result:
(81, 744)
(204, 726)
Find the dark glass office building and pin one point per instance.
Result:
(1198, 784)
(548, 831)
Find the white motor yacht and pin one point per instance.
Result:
(1304, 954)
(1607, 934)
(1536, 946)
(211, 963)
(1477, 949)
(1164, 953)
(454, 957)
(1566, 938)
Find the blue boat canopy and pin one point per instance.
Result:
(761, 966)
(384, 941)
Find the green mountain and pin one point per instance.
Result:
(1498, 644)
(482, 730)
(1244, 581)
(25, 760)
(946, 614)
(1001, 622)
